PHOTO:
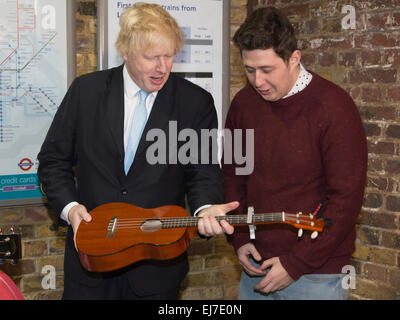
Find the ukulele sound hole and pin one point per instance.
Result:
(151, 225)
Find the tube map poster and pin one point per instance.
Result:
(33, 81)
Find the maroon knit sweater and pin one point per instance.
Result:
(307, 148)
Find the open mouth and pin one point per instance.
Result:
(264, 92)
(157, 80)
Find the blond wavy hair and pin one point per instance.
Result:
(144, 25)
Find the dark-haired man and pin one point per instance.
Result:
(309, 145)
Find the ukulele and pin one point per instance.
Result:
(120, 234)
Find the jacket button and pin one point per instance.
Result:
(124, 192)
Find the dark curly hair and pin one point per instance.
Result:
(267, 28)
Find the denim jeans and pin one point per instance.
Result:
(307, 287)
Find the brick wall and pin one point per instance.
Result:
(364, 60)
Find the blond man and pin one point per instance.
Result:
(100, 128)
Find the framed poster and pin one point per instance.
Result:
(37, 64)
(204, 59)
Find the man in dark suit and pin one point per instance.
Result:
(94, 131)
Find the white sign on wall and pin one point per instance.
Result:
(201, 60)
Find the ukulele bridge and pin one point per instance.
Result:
(111, 227)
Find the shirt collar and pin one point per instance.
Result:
(130, 87)
(302, 81)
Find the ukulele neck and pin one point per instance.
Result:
(232, 219)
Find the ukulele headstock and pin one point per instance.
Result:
(305, 221)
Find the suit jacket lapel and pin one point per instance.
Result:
(113, 106)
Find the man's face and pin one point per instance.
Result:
(269, 74)
(150, 68)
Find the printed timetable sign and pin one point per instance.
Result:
(204, 59)
(34, 77)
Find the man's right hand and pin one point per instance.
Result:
(244, 253)
(76, 215)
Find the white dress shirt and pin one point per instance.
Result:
(131, 99)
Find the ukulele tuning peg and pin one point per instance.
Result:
(300, 233)
(314, 235)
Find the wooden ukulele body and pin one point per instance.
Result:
(102, 249)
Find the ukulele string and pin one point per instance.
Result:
(190, 219)
(179, 222)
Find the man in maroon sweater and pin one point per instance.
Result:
(309, 146)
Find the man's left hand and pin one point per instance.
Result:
(276, 279)
(208, 226)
